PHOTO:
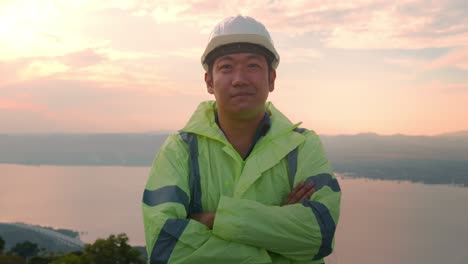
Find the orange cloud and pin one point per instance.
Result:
(456, 58)
(83, 58)
(11, 104)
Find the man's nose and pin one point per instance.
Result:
(239, 78)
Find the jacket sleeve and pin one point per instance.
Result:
(170, 236)
(299, 232)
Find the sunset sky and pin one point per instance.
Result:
(134, 66)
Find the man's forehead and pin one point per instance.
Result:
(246, 55)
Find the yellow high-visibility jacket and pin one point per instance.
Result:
(198, 170)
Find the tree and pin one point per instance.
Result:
(2, 245)
(25, 249)
(5, 259)
(114, 249)
(42, 260)
(70, 258)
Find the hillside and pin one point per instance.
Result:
(430, 159)
(50, 239)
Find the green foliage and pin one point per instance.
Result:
(70, 258)
(41, 260)
(113, 250)
(25, 249)
(4, 259)
(2, 245)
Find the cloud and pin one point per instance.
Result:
(356, 24)
(350, 24)
(412, 25)
(153, 73)
(15, 104)
(443, 88)
(29, 68)
(83, 58)
(456, 58)
(406, 63)
(50, 104)
(37, 69)
(91, 61)
(9, 71)
(295, 55)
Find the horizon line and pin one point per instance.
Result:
(169, 131)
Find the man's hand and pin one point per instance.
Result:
(302, 192)
(206, 218)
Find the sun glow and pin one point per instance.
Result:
(31, 29)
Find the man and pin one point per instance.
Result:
(240, 183)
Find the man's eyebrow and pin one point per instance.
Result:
(226, 57)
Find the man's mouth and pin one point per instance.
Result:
(242, 94)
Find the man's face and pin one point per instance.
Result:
(240, 83)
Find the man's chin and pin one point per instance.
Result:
(247, 113)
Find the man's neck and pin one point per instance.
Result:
(240, 132)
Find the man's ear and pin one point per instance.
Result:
(209, 82)
(271, 81)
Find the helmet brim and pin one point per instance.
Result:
(239, 38)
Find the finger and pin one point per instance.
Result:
(294, 191)
(298, 187)
(313, 190)
(308, 195)
(310, 184)
(306, 188)
(303, 191)
(299, 195)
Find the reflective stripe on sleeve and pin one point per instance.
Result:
(167, 240)
(195, 205)
(292, 166)
(166, 194)
(324, 179)
(292, 159)
(327, 227)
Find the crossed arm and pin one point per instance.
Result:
(301, 192)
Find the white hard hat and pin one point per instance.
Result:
(242, 31)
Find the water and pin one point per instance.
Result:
(96, 200)
(381, 221)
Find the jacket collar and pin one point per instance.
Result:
(203, 122)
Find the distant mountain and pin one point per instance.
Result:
(463, 134)
(432, 159)
(439, 159)
(362, 147)
(80, 149)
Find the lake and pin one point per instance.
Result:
(381, 221)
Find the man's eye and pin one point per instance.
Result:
(225, 66)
